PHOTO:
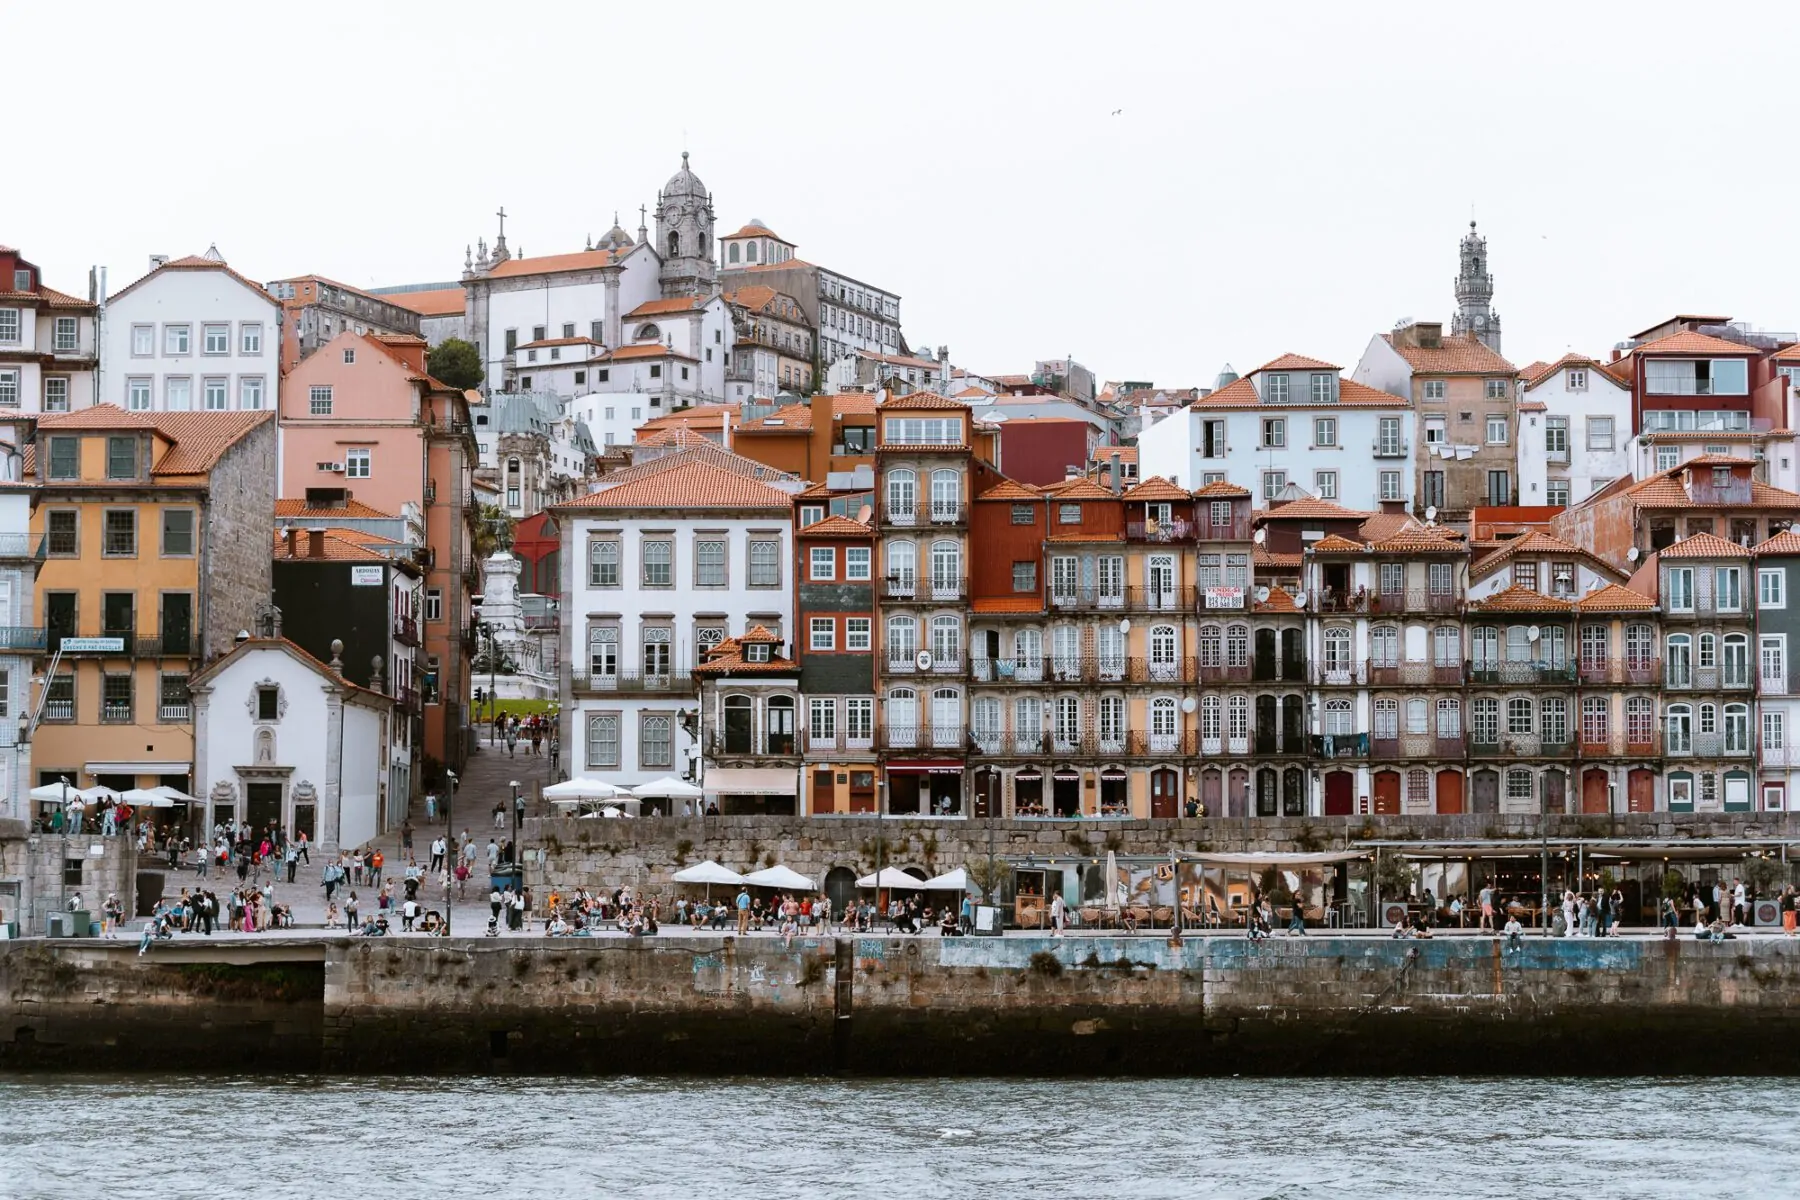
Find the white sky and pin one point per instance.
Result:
(1289, 176)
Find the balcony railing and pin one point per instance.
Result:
(673, 681)
(762, 743)
(1704, 745)
(1416, 600)
(1620, 671)
(1391, 448)
(116, 712)
(1222, 531)
(1415, 674)
(923, 737)
(1151, 670)
(1169, 599)
(1559, 457)
(406, 630)
(924, 590)
(840, 741)
(1339, 673)
(22, 637)
(59, 710)
(907, 663)
(20, 545)
(1403, 746)
(1488, 672)
(1340, 745)
(904, 517)
(1780, 756)
(1220, 673)
(1142, 744)
(407, 698)
(1619, 745)
(1224, 745)
(1176, 529)
(1520, 745)
(167, 711)
(1079, 599)
(1282, 744)
(948, 514)
(1707, 679)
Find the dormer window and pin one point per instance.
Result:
(1324, 388)
(65, 458)
(756, 652)
(1721, 476)
(1577, 380)
(121, 458)
(1275, 389)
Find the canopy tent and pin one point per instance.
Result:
(1262, 858)
(893, 877)
(607, 812)
(666, 788)
(752, 781)
(582, 788)
(707, 872)
(784, 878)
(146, 798)
(949, 881)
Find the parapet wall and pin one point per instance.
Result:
(1018, 1005)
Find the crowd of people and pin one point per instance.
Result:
(533, 734)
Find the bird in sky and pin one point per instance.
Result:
(1117, 111)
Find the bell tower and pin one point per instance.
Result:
(684, 235)
(1475, 294)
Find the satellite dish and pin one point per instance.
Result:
(1631, 555)
(1259, 536)
(1300, 599)
(1188, 705)
(1262, 595)
(1124, 624)
(1534, 633)
(1431, 512)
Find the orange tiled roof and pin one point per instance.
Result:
(1663, 490)
(1313, 509)
(1458, 355)
(1532, 543)
(799, 263)
(1785, 542)
(1243, 394)
(199, 439)
(755, 230)
(47, 296)
(1007, 604)
(1103, 454)
(1518, 598)
(922, 401)
(791, 418)
(1011, 489)
(1422, 539)
(1383, 525)
(575, 341)
(1263, 557)
(1157, 488)
(1297, 362)
(194, 262)
(1279, 601)
(835, 526)
(727, 658)
(435, 302)
(1218, 489)
(1615, 598)
(1542, 372)
(705, 416)
(1704, 545)
(1788, 354)
(696, 449)
(580, 260)
(1689, 342)
(1332, 543)
(353, 507)
(642, 350)
(1076, 538)
(1083, 488)
(678, 304)
(690, 485)
(336, 546)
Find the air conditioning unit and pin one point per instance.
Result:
(335, 468)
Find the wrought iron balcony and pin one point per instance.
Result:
(1620, 671)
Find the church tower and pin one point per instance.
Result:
(684, 235)
(1475, 294)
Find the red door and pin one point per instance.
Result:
(1640, 790)
(1449, 791)
(1340, 794)
(1165, 793)
(1387, 793)
(1594, 790)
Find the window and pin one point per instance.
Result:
(1556, 435)
(175, 339)
(603, 564)
(1525, 574)
(434, 604)
(1326, 484)
(822, 564)
(357, 463)
(215, 394)
(1434, 431)
(1519, 715)
(709, 563)
(268, 704)
(143, 339)
(1275, 389)
(1324, 388)
(1499, 487)
(858, 633)
(659, 563)
(1728, 591)
(1434, 389)
(120, 533)
(765, 564)
(656, 747)
(1668, 457)
(1274, 433)
(821, 634)
(1554, 715)
(1771, 588)
(115, 698)
(66, 335)
(250, 339)
(603, 740)
(1518, 785)
(856, 563)
(63, 533)
(1449, 718)
(319, 401)
(821, 723)
(1068, 514)
(1496, 389)
(9, 388)
(1024, 576)
(1325, 431)
(1390, 485)
(1484, 722)
(178, 394)
(1272, 483)
(1556, 492)
(603, 651)
(1774, 730)
(177, 532)
(1737, 729)
(1389, 442)
(215, 339)
(137, 394)
(1599, 433)
(1681, 589)
(1697, 377)
(1496, 429)
(1576, 380)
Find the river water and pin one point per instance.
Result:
(119, 1138)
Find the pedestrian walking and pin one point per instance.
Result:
(743, 911)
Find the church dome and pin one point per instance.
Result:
(684, 183)
(616, 238)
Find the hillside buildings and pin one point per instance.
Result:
(192, 335)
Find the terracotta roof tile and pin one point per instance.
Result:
(1615, 598)
(777, 266)
(1785, 542)
(574, 341)
(1521, 599)
(1007, 604)
(1332, 543)
(1704, 545)
(1157, 488)
(1537, 542)
(1076, 538)
(853, 404)
(1297, 362)
(755, 230)
(921, 401)
(352, 508)
(199, 439)
(1312, 509)
(1422, 539)
(335, 545)
(698, 450)
(1788, 354)
(1664, 490)
(194, 262)
(1457, 355)
(1243, 394)
(836, 527)
(544, 264)
(1263, 557)
(700, 416)
(678, 304)
(1542, 372)
(1083, 488)
(790, 418)
(1280, 601)
(645, 350)
(690, 485)
(1384, 525)
(433, 302)
(1011, 489)
(1221, 490)
(1689, 342)
(1104, 454)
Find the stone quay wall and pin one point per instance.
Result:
(910, 1006)
(606, 854)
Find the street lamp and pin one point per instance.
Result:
(518, 832)
(450, 837)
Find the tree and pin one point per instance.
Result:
(457, 363)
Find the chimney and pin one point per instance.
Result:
(315, 543)
(725, 429)
(1115, 473)
(1431, 334)
(293, 537)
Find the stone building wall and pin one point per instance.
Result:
(239, 573)
(31, 874)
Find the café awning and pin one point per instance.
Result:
(1273, 859)
(752, 781)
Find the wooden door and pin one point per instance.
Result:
(1340, 794)
(1556, 792)
(1387, 793)
(987, 793)
(1640, 790)
(1594, 790)
(1237, 791)
(1449, 791)
(1165, 793)
(1212, 788)
(1487, 791)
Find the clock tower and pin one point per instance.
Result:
(1475, 294)
(684, 235)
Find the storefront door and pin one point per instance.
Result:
(1449, 791)
(1487, 791)
(1340, 794)
(1165, 793)
(1387, 793)
(1594, 786)
(262, 806)
(1640, 789)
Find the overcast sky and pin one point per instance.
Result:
(1283, 176)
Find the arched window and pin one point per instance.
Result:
(902, 568)
(946, 642)
(902, 497)
(1112, 724)
(1065, 651)
(1484, 647)
(1449, 718)
(1209, 719)
(1640, 721)
(1640, 649)
(1340, 718)
(674, 245)
(1679, 669)
(946, 570)
(946, 718)
(1112, 653)
(702, 245)
(1446, 646)
(1553, 720)
(1593, 722)
(1163, 661)
(781, 725)
(1737, 729)
(946, 496)
(902, 716)
(1709, 719)
(750, 251)
(1679, 721)
(1210, 645)
(655, 749)
(902, 642)
(1067, 710)
(1416, 716)
(1384, 646)
(739, 724)
(1337, 648)
(1240, 718)
(1387, 718)
(732, 252)
(1237, 646)
(1737, 660)
(1028, 653)
(1484, 721)
(1164, 738)
(984, 720)
(1519, 715)
(647, 332)
(512, 466)
(1708, 651)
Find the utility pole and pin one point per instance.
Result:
(450, 840)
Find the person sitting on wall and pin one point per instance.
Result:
(949, 926)
(1515, 935)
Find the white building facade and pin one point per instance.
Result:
(49, 345)
(1575, 432)
(192, 335)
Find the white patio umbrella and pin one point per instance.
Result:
(175, 794)
(667, 788)
(146, 798)
(52, 792)
(582, 788)
(708, 873)
(892, 877)
(784, 878)
(949, 881)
